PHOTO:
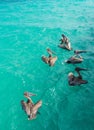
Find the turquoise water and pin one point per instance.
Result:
(27, 28)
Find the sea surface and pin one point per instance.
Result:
(27, 29)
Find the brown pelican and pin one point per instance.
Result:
(50, 60)
(65, 44)
(29, 107)
(76, 80)
(74, 59)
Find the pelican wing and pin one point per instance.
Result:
(26, 107)
(36, 106)
(53, 60)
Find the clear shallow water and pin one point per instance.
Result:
(27, 28)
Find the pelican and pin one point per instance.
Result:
(29, 107)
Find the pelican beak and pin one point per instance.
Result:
(31, 94)
(28, 94)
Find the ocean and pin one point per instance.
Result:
(27, 29)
